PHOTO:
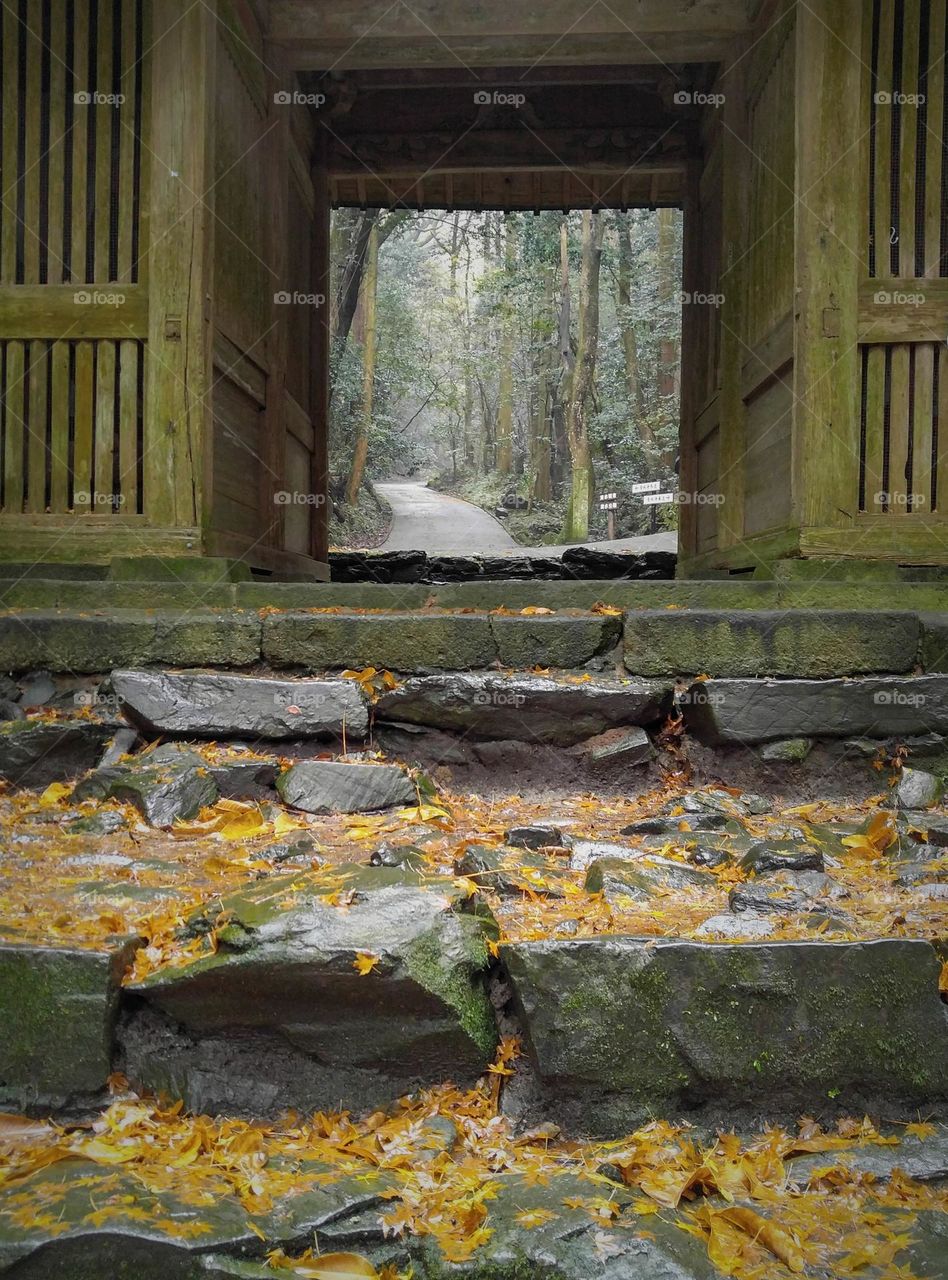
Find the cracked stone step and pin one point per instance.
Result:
(281, 1017)
(217, 705)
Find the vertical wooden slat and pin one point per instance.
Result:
(875, 425)
(941, 503)
(922, 429)
(144, 184)
(57, 147)
(935, 149)
(898, 428)
(84, 411)
(33, 102)
(883, 165)
(59, 429)
(13, 441)
(909, 136)
(102, 115)
(126, 184)
(38, 421)
(866, 154)
(82, 115)
(128, 426)
(11, 113)
(104, 451)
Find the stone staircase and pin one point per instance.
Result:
(660, 944)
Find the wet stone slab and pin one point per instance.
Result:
(617, 1026)
(226, 706)
(524, 708)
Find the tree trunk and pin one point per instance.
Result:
(669, 285)
(543, 441)
(369, 349)
(505, 388)
(576, 528)
(627, 329)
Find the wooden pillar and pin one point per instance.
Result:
(322, 284)
(178, 262)
(691, 283)
(273, 472)
(830, 251)
(734, 171)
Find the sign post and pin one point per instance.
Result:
(652, 496)
(609, 502)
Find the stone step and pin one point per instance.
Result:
(749, 712)
(616, 1028)
(621, 1027)
(657, 642)
(51, 593)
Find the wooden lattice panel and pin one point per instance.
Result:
(72, 304)
(904, 297)
(71, 426)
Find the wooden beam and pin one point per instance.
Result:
(375, 33)
(910, 539)
(396, 154)
(70, 311)
(903, 310)
(178, 419)
(513, 78)
(624, 47)
(554, 188)
(830, 259)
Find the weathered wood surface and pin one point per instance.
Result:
(367, 33)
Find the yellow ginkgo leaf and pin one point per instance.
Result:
(55, 792)
(364, 962)
(337, 1266)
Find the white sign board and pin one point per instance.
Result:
(647, 486)
(658, 499)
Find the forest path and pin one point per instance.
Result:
(425, 520)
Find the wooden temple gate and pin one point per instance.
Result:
(167, 174)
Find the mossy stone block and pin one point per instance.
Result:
(396, 641)
(619, 1026)
(750, 642)
(559, 640)
(57, 1012)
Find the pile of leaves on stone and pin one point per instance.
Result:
(149, 1162)
(80, 890)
